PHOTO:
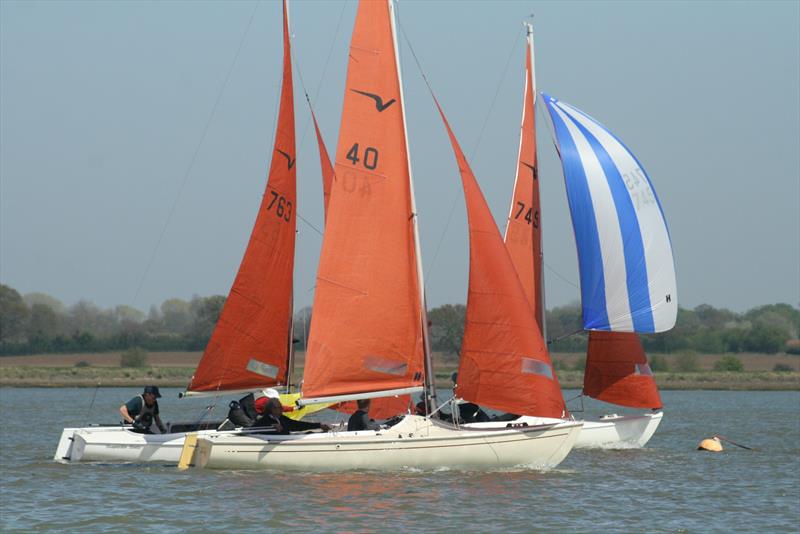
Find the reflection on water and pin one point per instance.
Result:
(666, 487)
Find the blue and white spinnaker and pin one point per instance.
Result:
(624, 251)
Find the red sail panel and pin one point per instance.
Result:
(325, 165)
(366, 332)
(523, 231)
(617, 371)
(249, 346)
(504, 360)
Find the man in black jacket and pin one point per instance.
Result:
(273, 416)
(142, 410)
(360, 419)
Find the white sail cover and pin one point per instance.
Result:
(624, 251)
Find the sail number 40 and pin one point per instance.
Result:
(530, 216)
(369, 159)
(283, 207)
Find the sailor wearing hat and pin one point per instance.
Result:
(142, 410)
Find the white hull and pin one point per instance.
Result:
(619, 432)
(119, 444)
(607, 432)
(415, 442)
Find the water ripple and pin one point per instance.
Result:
(667, 487)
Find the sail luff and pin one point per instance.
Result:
(430, 386)
(504, 361)
(326, 167)
(248, 347)
(541, 311)
(523, 235)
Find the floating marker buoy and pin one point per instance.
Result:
(710, 445)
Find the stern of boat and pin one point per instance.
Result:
(619, 432)
(66, 451)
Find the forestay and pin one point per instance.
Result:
(625, 256)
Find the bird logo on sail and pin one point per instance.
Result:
(379, 105)
(533, 169)
(289, 158)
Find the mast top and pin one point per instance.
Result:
(528, 26)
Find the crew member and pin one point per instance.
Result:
(283, 425)
(262, 399)
(360, 419)
(142, 410)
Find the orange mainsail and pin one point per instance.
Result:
(617, 371)
(249, 347)
(366, 332)
(504, 361)
(523, 231)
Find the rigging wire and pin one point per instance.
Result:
(310, 225)
(308, 100)
(562, 277)
(514, 46)
(193, 159)
(477, 143)
(558, 151)
(91, 405)
(565, 336)
(543, 111)
(298, 69)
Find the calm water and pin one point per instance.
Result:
(667, 487)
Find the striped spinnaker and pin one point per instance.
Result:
(624, 252)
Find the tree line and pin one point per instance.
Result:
(38, 323)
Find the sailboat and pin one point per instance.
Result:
(627, 273)
(369, 335)
(251, 345)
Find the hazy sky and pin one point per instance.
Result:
(103, 106)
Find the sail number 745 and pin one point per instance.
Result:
(530, 216)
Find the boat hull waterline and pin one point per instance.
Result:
(120, 444)
(415, 442)
(607, 432)
(618, 432)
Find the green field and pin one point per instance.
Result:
(24, 376)
(175, 370)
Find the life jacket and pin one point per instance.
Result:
(243, 412)
(472, 413)
(144, 419)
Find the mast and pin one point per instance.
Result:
(542, 299)
(430, 386)
(523, 235)
(248, 348)
(290, 353)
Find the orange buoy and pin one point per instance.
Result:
(711, 445)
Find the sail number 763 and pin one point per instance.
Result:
(283, 206)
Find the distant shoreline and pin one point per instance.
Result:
(175, 369)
